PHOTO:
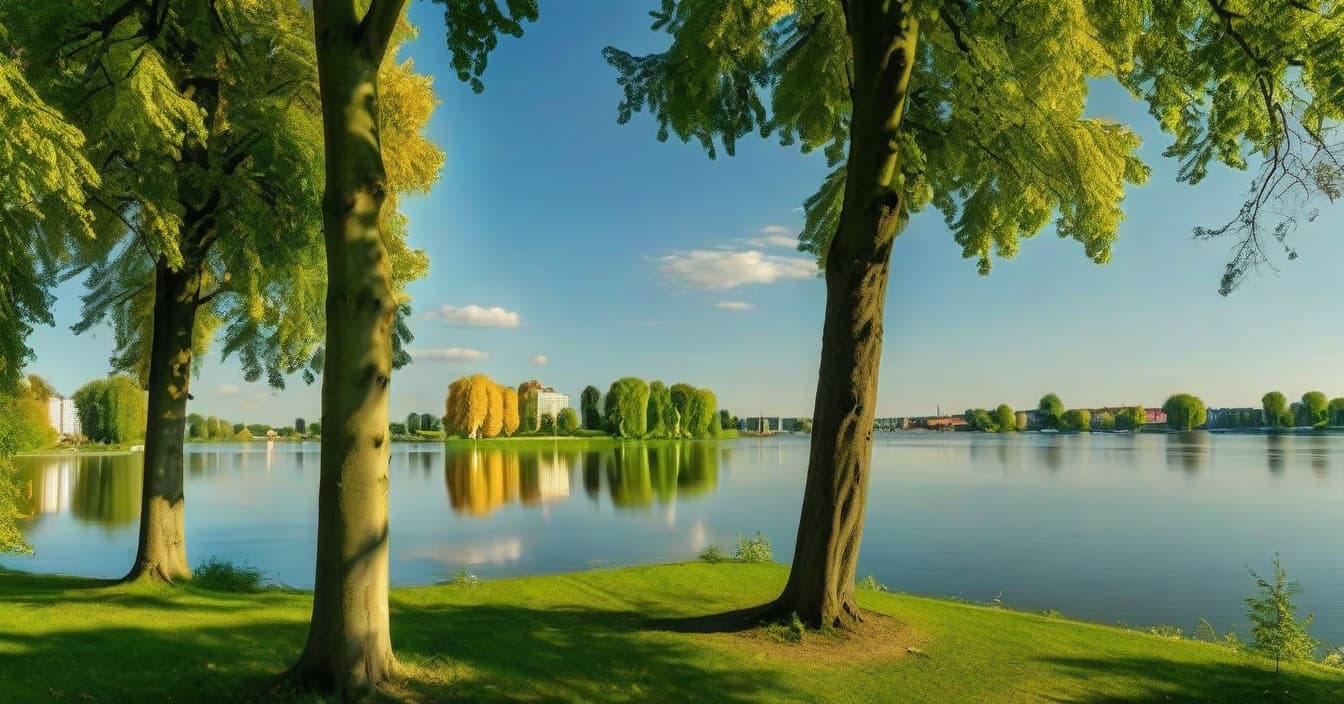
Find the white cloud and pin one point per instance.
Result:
(227, 390)
(773, 236)
(716, 269)
(539, 360)
(448, 354)
(476, 316)
(734, 305)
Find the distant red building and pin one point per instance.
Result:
(1156, 416)
(945, 423)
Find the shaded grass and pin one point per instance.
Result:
(613, 635)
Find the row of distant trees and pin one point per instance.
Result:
(477, 407)
(1314, 410)
(112, 410)
(1184, 412)
(211, 428)
(633, 408)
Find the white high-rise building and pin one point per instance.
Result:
(550, 402)
(63, 415)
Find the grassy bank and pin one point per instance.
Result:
(633, 634)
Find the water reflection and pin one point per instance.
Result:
(1319, 454)
(1189, 450)
(100, 489)
(634, 475)
(1276, 451)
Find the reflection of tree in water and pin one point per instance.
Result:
(592, 473)
(1276, 451)
(1052, 454)
(1187, 450)
(103, 489)
(107, 490)
(641, 472)
(1320, 455)
(480, 481)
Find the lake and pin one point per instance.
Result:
(1136, 529)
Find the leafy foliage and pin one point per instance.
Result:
(1275, 406)
(111, 410)
(627, 407)
(754, 548)
(1317, 409)
(659, 410)
(224, 576)
(566, 422)
(1077, 419)
(1275, 631)
(1184, 412)
(713, 554)
(1052, 410)
(590, 409)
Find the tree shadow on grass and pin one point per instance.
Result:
(1174, 681)
(571, 654)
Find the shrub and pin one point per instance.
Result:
(1273, 615)
(224, 576)
(1334, 658)
(464, 579)
(1165, 631)
(870, 584)
(790, 631)
(713, 554)
(753, 549)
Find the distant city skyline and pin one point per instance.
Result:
(627, 257)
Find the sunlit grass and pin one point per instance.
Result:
(637, 634)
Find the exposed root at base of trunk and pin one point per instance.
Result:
(319, 678)
(154, 572)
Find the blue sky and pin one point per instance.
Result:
(611, 253)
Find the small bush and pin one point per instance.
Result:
(788, 632)
(1051, 613)
(870, 584)
(224, 576)
(1165, 631)
(754, 549)
(713, 554)
(1334, 658)
(464, 579)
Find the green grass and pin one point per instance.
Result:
(632, 634)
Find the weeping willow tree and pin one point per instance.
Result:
(975, 109)
(204, 121)
(349, 648)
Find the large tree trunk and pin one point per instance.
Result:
(349, 647)
(162, 550)
(821, 581)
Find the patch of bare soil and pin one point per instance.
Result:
(878, 638)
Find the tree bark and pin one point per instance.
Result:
(349, 648)
(162, 550)
(820, 588)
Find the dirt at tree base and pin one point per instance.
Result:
(878, 638)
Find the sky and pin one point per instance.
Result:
(573, 250)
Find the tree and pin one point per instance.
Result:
(1004, 419)
(1337, 411)
(1106, 420)
(243, 434)
(627, 407)
(413, 423)
(589, 406)
(430, 422)
(659, 410)
(1052, 411)
(727, 421)
(547, 424)
(111, 410)
(1076, 419)
(1317, 409)
(196, 427)
(397, 429)
(44, 211)
(468, 406)
(206, 215)
(315, 428)
(567, 421)
(494, 411)
(214, 430)
(682, 397)
(349, 649)
(38, 389)
(1184, 412)
(707, 406)
(1275, 406)
(1131, 418)
(1275, 630)
(300, 426)
(527, 405)
(980, 420)
(511, 417)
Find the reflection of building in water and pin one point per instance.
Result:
(480, 481)
(102, 489)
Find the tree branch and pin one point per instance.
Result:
(375, 30)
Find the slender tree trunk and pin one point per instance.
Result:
(820, 588)
(162, 550)
(349, 647)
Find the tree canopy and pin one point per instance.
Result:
(1184, 412)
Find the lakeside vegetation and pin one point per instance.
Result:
(659, 632)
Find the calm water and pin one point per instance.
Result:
(1115, 528)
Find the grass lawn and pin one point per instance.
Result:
(635, 634)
